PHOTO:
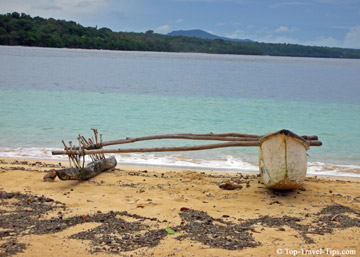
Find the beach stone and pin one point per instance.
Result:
(50, 177)
(228, 185)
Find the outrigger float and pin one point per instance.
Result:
(282, 154)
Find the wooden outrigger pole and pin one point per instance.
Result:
(233, 140)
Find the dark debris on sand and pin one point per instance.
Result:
(118, 235)
(216, 233)
(327, 220)
(24, 214)
(23, 219)
(30, 165)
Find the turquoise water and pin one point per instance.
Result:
(47, 95)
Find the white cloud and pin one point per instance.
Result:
(179, 20)
(352, 38)
(240, 34)
(262, 36)
(284, 29)
(324, 41)
(163, 29)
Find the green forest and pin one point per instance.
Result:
(22, 29)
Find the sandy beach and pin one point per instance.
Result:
(138, 211)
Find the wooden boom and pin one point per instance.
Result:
(209, 136)
(172, 149)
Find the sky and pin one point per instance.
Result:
(333, 23)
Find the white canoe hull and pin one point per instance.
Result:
(283, 160)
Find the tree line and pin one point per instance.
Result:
(22, 29)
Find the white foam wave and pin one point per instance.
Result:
(336, 170)
(31, 153)
(226, 163)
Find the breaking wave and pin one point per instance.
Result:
(226, 163)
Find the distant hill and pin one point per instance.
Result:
(204, 35)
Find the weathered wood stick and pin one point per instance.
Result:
(242, 135)
(210, 136)
(173, 149)
(163, 149)
(177, 136)
(314, 142)
(228, 134)
(170, 149)
(313, 137)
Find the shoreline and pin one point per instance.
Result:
(146, 211)
(198, 52)
(326, 169)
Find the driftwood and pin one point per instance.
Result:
(91, 170)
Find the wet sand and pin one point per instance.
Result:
(138, 211)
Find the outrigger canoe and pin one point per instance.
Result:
(283, 159)
(282, 162)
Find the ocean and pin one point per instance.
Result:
(48, 95)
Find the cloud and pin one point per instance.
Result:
(352, 38)
(262, 36)
(163, 29)
(240, 34)
(210, 31)
(324, 41)
(179, 20)
(280, 35)
(284, 29)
